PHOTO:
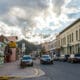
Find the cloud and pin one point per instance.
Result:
(38, 19)
(36, 4)
(10, 30)
(57, 4)
(74, 3)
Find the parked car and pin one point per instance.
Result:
(33, 57)
(26, 60)
(64, 57)
(55, 57)
(74, 58)
(46, 59)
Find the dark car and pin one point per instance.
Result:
(64, 57)
(74, 58)
(26, 61)
(46, 59)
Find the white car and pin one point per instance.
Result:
(26, 60)
(46, 59)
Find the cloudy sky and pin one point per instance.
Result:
(37, 20)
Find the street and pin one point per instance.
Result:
(34, 32)
(58, 71)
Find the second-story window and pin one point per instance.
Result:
(72, 37)
(67, 39)
(76, 35)
(79, 34)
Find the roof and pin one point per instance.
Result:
(69, 26)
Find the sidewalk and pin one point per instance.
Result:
(13, 70)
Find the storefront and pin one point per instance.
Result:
(13, 47)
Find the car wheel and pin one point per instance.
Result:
(21, 66)
(72, 61)
(52, 62)
(68, 61)
(41, 62)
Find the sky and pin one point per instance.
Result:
(37, 20)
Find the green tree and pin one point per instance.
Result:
(43, 51)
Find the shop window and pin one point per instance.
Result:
(79, 48)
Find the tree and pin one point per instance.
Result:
(29, 47)
(43, 51)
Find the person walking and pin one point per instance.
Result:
(7, 54)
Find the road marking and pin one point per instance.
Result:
(29, 76)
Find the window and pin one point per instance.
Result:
(65, 40)
(72, 37)
(78, 48)
(76, 35)
(79, 34)
(68, 39)
(61, 41)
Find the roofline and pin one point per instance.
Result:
(71, 25)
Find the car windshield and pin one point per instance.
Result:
(45, 56)
(26, 58)
(77, 55)
(66, 55)
(62, 55)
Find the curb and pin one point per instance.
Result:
(13, 77)
(6, 77)
(36, 73)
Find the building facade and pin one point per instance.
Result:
(2, 47)
(10, 50)
(68, 40)
(49, 47)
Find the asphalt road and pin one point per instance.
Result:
(58, 71)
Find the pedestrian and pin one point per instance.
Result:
(7, 54)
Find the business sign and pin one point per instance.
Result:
(12, 44)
